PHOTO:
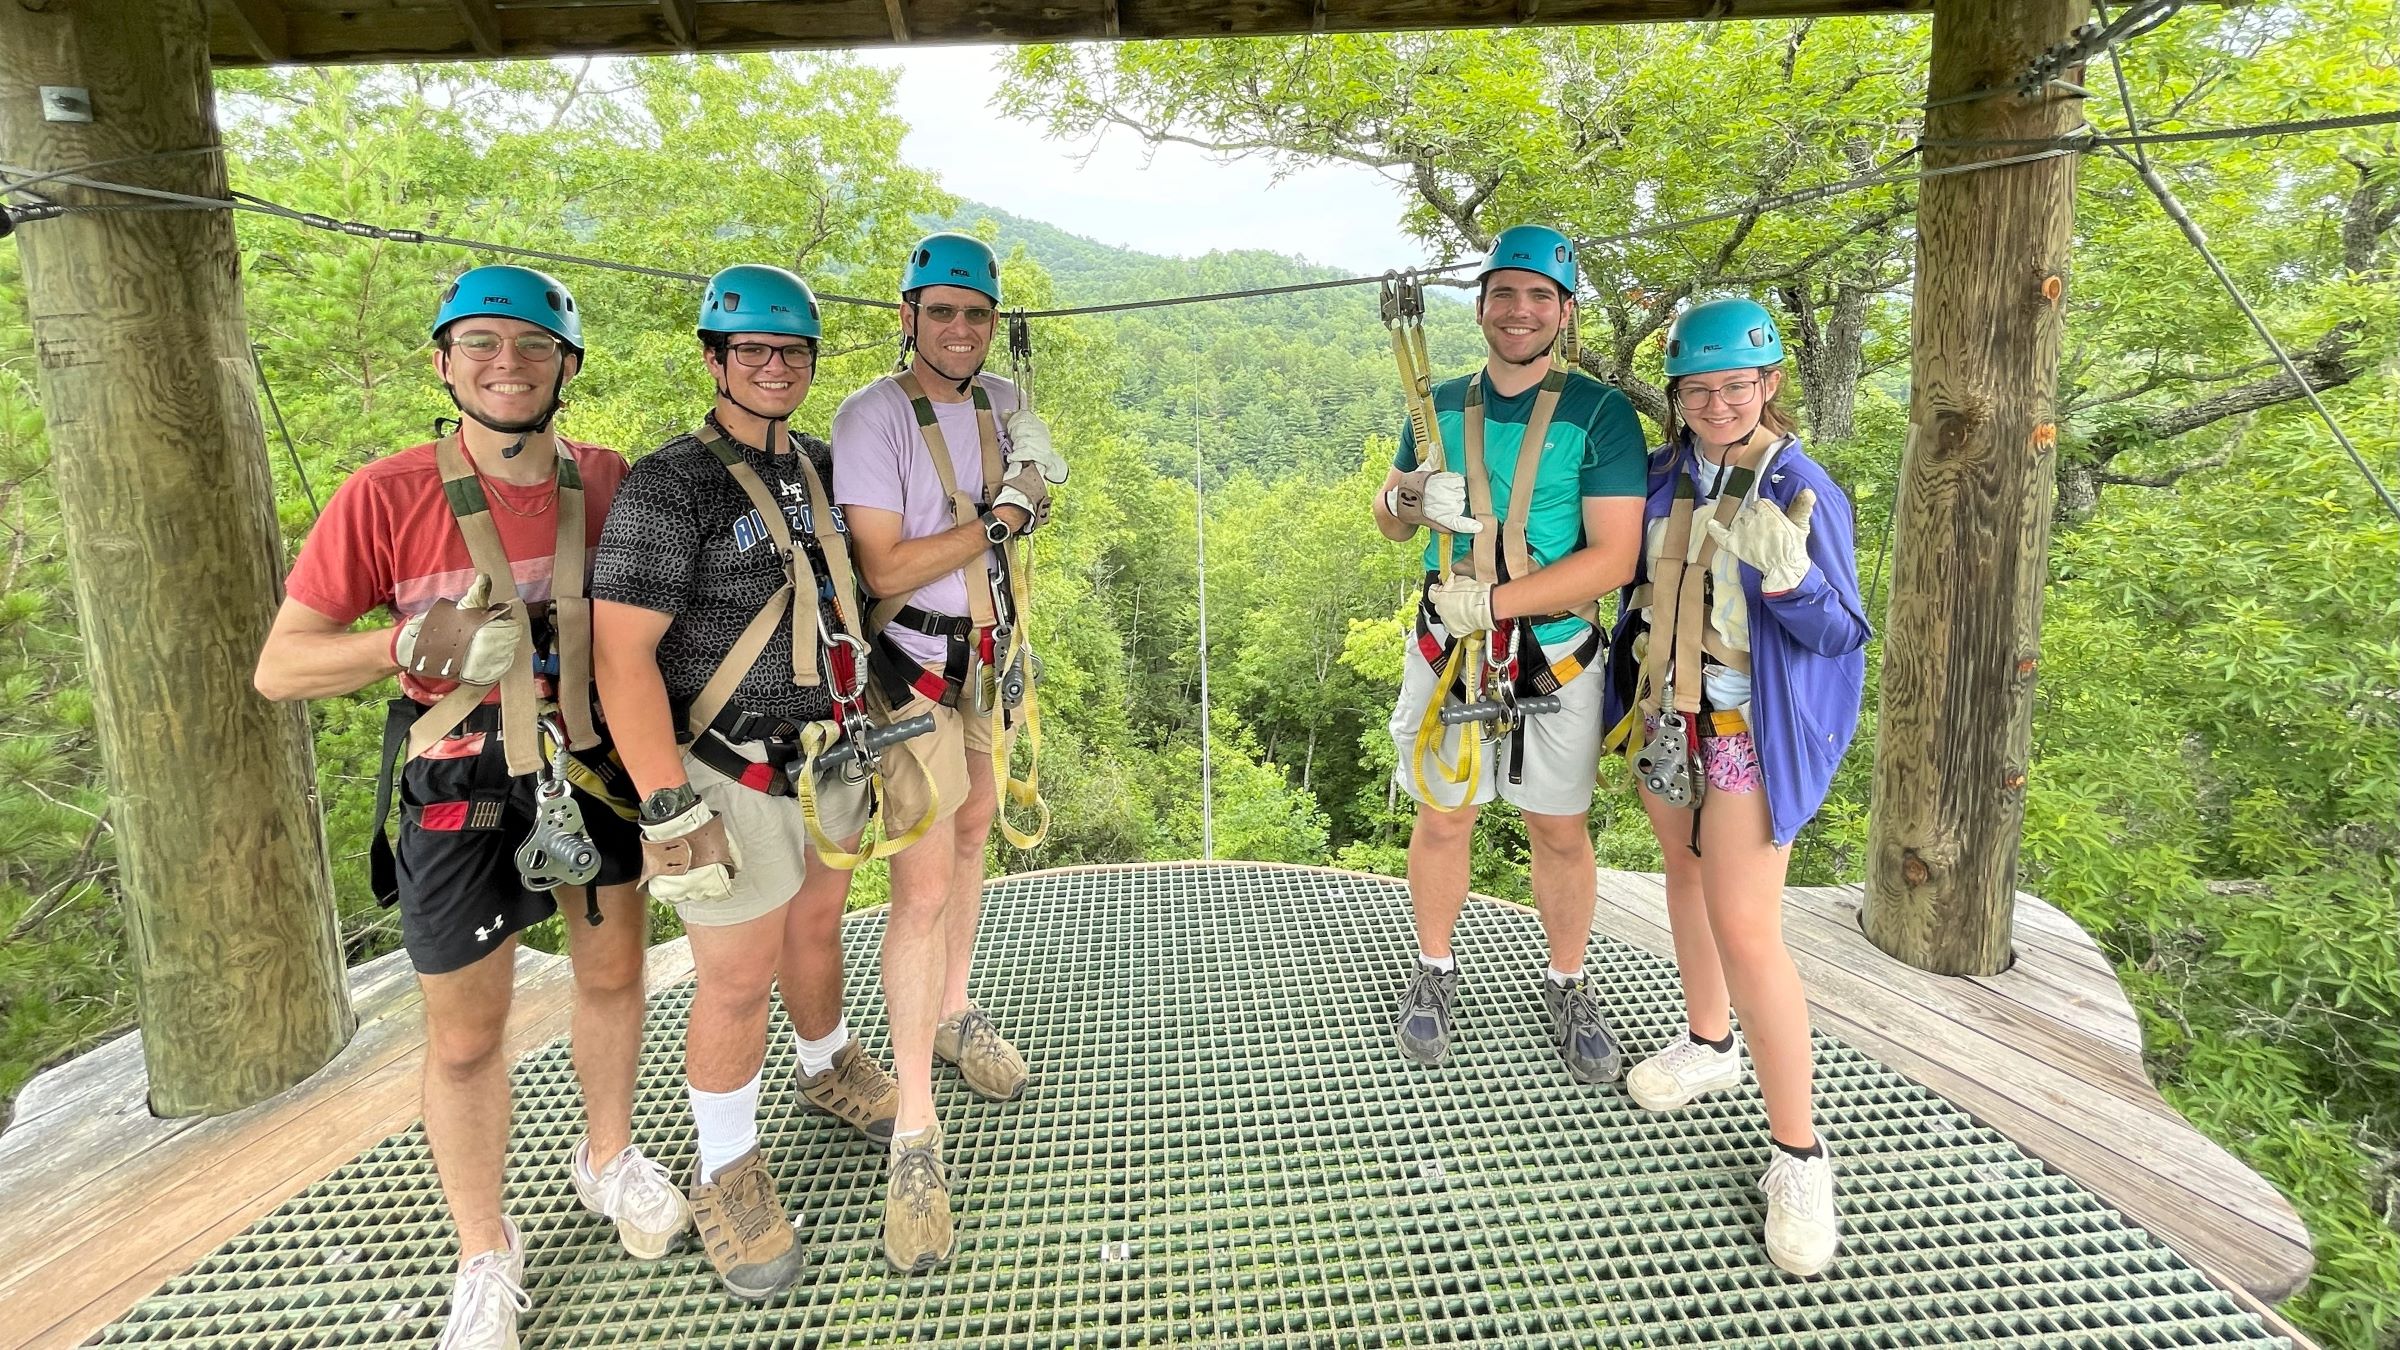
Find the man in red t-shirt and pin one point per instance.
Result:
(482, 849)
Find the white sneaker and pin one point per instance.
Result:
(649, 1209)
(1684, 1072)
(488, 1298)
(1802, 1230)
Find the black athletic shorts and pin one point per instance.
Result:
(462, 819)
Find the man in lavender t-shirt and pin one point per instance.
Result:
(912, 546)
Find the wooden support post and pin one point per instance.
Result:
(1972, 532)
(161, 466)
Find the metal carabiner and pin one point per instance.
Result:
(828, 639)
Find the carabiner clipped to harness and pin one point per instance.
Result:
(559, 851)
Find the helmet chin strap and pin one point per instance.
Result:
(962, 381)
(725, 392)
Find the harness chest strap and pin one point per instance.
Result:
(571, 617)
(1683, 575)
(797, 595)
(964, 510)
(1509, 542)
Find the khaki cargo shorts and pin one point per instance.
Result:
(935, 760)
(1562, 749)
(772, 837)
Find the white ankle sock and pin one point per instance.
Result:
(1438, 962)
(1563, 978)
(817, 1056)
(728, 1125)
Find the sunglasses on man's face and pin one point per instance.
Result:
(979, 315)
(481, 345)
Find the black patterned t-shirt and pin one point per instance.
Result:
(684, 540)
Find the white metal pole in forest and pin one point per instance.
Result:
(1208, 813)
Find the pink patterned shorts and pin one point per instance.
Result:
(1731, 761)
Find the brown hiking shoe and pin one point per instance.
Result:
(917, 1230)
(989, 1063)
(856, 1090)
(742, 1225)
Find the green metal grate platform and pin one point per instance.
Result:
(1221, 1148)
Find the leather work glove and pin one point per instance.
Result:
(1027, 490)
(1029, 443)
(1432, 497)
(1775, 543)
(471, 640)
(1463, 604)
(689, 859)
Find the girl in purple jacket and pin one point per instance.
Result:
(1737, 666)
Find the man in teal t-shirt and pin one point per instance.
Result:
(1533, 593)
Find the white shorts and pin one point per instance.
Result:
(772, 837)
(1562, 749)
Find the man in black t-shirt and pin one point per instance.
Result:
(690, 577)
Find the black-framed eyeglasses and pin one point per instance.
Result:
(755, 355)
(1735, 394)
(980, 316)
(483, 345)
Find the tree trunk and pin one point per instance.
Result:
(1831, 356)
(169, 515)
(1973, 515)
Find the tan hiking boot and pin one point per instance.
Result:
(917, 1230)
(742, 1225)
(989, 1063)
(857, 1091)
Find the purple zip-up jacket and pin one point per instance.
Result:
(1808, 660)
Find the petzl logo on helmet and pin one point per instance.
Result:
(502, 301)
(962, 272)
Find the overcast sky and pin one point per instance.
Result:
(1182, 203)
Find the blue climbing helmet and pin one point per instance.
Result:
(756, 298)
(1533, 248)
(515, 293)
(948, 259)
(1728, 334)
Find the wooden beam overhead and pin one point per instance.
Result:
(332, 32)
(263, 22)
(683, 22)
(483, 25)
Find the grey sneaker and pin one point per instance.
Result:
(1579, 1028)
(1423, 1025)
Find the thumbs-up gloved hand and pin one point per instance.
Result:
(470, 640)
(1767, 538)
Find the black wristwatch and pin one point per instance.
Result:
(667, 803)
(994, 528)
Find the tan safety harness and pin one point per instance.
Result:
(1670, 689)
(1491, 680)
(818, 650)
(989, 666)
(537, 737)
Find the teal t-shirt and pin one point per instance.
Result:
(1594, 449)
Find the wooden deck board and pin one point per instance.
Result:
(86, 1154)
(2043, 1053)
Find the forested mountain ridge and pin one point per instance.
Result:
(2216, 763)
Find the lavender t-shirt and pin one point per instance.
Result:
(880, 462)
